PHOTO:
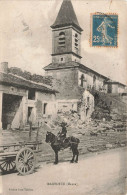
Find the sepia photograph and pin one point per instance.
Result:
(63, 97)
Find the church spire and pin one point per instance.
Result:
(66, 16)
(66, 35)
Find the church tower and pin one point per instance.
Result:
(66, 35)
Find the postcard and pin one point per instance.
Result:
(63, 97)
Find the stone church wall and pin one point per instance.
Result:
(66, 82)
(55, 37)
(88, 81)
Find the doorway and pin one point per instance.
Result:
(10, 107)
(109, 88)
(29, 114)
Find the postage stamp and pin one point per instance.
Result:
(104, 30)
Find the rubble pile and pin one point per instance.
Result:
(118, 116)
(102, 109)
(94, 135)
(71, 118)
(100, 113)
(109, 106)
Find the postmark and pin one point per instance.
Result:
(104, 30)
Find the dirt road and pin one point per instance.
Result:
(95, 174)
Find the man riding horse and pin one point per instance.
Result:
(61, 142)
(62, 134)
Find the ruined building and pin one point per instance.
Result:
(22, 100)
(72, 79)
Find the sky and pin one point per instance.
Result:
(26, 36)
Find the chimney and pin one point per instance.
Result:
(4, 67)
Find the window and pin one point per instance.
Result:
(94, 82)
(109, 88)
(76, 35)
(12, 88)
(94, 78)
(61, 39)
(45, 108)
(61, 59)
(82, 80)
(88, 100)
(31, 94)
(29, 114)
(62, 36)
(76, 41)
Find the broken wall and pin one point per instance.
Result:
(67, 105)
(46, 105)
(86, 107)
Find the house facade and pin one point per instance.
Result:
(23, 101)
(115, 87)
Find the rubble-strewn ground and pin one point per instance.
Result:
(94, 135)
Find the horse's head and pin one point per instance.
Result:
(49, 137)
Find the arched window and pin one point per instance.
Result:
(76, 35)
(94, 82)
(61, 38)
(76, 41)
(82, 80)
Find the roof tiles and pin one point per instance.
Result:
(66, 16)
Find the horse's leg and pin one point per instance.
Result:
(77, 153)
(56, 157)
(73, 150)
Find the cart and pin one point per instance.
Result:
(20, 157)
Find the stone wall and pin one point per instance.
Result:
(68, 44)
(113, 105)
(67, 105)
(46, 105)
(70, 93)
(88, 81)
(66, 82)
(15, 107)
(115, 88)
(86, 107)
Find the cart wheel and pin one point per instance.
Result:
(25, 161)
(8, 165)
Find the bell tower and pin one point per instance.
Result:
(66, 35)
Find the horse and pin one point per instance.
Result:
(58, 145)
